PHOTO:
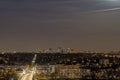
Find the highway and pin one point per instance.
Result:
(28, 74)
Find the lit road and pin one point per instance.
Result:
(28, 74)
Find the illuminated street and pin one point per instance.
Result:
(28, 74)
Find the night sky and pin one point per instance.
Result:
(83, 24)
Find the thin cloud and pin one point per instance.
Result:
(107, 10)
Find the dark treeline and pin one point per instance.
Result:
(16, 58)
(55, 58)
(59, 58)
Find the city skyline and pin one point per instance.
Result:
(82, 24)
